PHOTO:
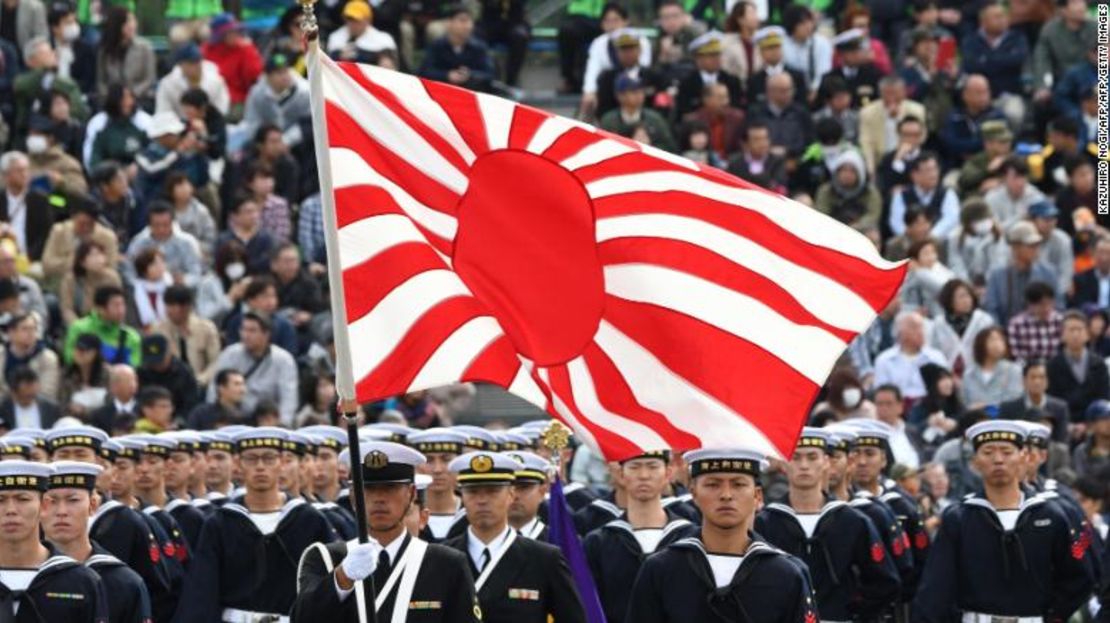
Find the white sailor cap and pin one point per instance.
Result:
(386, 462)
(870, 432)
(509, 440)
(26, 475)
(811, 437)
(235, 429)
(769, 36)
(849, 39)
(725, 461)
(422, 481)
(327, 436)
(1037, 435)
(398, 433)
(478, 438)
(443, 440)
(299, 443)
(82, 436)
(183, 441)
(707, 43)
(261, 437)
(16, 446)
(129, 447)
(156, 445)
(484, 468)
(624, 38)
(536, 468)
(218, 440)
(110, 449)
(74, 475)
(841, 438)
(537, 425)
(1009, 431)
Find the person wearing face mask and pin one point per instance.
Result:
(41, 77)
(953, 331)
(76, 57)
(977, 246)
(844, 397)
(49, 161)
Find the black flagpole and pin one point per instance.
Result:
(351, 416)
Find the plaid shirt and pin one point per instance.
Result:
(275, 218)
(1031, 338)
(310, 230)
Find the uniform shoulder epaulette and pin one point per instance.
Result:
(97, 560)
(607, 506)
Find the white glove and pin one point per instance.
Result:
(361, 560)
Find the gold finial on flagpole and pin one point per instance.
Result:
(309, 26)
(555, 437)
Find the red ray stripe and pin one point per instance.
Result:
(525, 123)
(707, 265)
(355, 203)
(613, 445)
(462, 107)
(614, 394)
(365, 285)
(569, 143)
(497, 364)
(391, 101)
(751, 381)
(413, 351)
(344, 131)
(874, 285)
(625, 164)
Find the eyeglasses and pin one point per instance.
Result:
(268, 460)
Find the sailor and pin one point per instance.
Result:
(31, 439)
(304, 449)
(38, 584)
(150, 495)
(853, 576)
(397, 575)
(478, 438)
(440, 446)
(217, 466)
(67, 506)
(177, 472)
(198, 486)
(16, 447)
(530, 488)
(245, 565)
(605, 508)
(416, 519)
(616, 550)
(106, 459)
(1001, 555)
(330, 441)
(519, 580)
(724, 573)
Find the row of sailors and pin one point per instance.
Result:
(843, 541)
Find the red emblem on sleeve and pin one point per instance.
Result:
(899, 546)
(155, 555)
(877, 552)
(921, 540)
(1079, 547)
(169, 550)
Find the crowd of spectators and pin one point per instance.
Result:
(162, 249)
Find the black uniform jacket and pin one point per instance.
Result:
(444, 590)
(62, 590)
(676, 585)
(138, 540)
(128, 599)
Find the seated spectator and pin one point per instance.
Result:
(231, 388)
(900, 364)
(119, 343)
(161, 368)
(245, 228)
(1001, 54)
(603, 54)
(25, 407)
(1056, 249)
(279, 98)
(84, 382)
(68, 133)
(1092, 455)
(149, 283)
(90, 272)
(193, 339)
(192, 71)
(188, 21)
(1098, 323)
(179, 249)
(30, 294)
(983, 171)
(724, 123)
(1047, 168)
(858, 17)
(120, 404)
(270, 371)
(926, 193)
(25, 348)
(937, 414)
(918, 228)
(890, 408)
(155, 411)
(992, 378)
(627, 54)
(804, 49)
(892, 107)
(960, 136)
(357, 39)
(299, 294)
(740, 54)
(1007, 291)
(1075, 375)
(1074, 84)
(631, 113)
(926, 18)
(977, 246)
(61, 172)
(276, 218)
(83, 225)
(844, 397)
(848, 196)
(76, 56)
(925, 279)
(672, 52)
(838, 107)
(1093, 285)
(1079, 193)
(504, 24)
(1010, 200)
(1064, 42)
(319, 399)
(40, 78)
(189, 214)
(928, 81)
(234, 53)
(459, 58)
(119, 205)
(892, 173)
(954, 331)
(1035, 332)
(1036, 401)
(25, 212)
(706, 50)
(310, 234)
(125, 57)
(118, 133)
(857, 69)
(260, 297)
(815, 166)
(221, 289)
(789, 123)
(171, 148)
(756, 162)
(267, 147)
(206, 123)
(769, 39)
(266, 413)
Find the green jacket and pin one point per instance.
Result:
(587, 8)
(654, 124)
(33, 84)
(193, 9)
(1059, 48)
(118, 343)
(120, 140)
(84, 8)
